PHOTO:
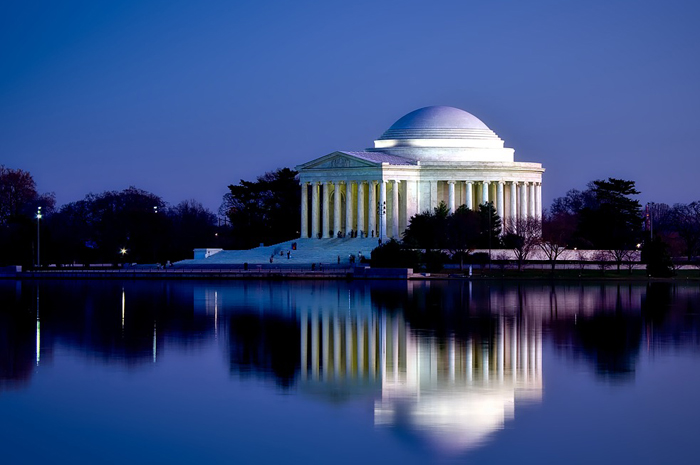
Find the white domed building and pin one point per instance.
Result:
(431, 155)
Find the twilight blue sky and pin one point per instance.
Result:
(183, 98)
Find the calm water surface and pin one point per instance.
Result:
(334, 372)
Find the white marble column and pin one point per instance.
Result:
(315, 210)
(336, 208)
(469, 202)
(382, 209)
(513, 214)
(451, 196)
(531, 200)
(499, 200)
(485, 192)
(326, 226)
(538, 201)
(304, 210)
(372, 207)
(395, 210)
(523, 201)
(348, 208)
(360, 208)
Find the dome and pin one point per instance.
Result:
(438, 117)
(442, 133)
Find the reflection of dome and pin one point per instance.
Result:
(449, 130)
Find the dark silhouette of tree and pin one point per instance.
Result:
(191, 225)
(428, 230)
(614, 220)
(685, 221)
(557, 231)
(392, 254)
(655, 255)
(267, 210)
(19, 201)
(99, 226)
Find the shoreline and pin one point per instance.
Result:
(349, 274)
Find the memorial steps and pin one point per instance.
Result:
(308, 251)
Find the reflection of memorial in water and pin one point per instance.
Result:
(452, 391)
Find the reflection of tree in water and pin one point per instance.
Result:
(610, 342)
(265, 345)
(17, 339)
(87, 316)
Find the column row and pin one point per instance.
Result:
(363, 216)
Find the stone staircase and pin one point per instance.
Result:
(308, 251)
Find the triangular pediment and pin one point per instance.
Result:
(337, 160)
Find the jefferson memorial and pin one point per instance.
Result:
(431, 155)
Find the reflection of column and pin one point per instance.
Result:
(314, 345)
(451, 358)
(451, 196)
(304, 210)
(336, 208)
(395, 348)
(500, 349)
(336, 346)
(304, 345)
(360, 208)
(359, 335)
(514, 350)
(326, 344)
(382, 347)
(395, 211)
(470, 361)
(325, 229)
(315, 207)
(372, 208)
(469, 202)
(348, 347)
(372, 347)
(348, 208)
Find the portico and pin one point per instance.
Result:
(432, 155)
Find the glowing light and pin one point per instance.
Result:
(122, 251)
(123, 307)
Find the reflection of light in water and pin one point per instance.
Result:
(38, 329)
(123, 309)
(454, 392)
(216, 314)
(154, 342)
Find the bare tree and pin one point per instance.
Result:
(685, 220)
(621, 255)
(523, 236)
(557, 230)
(602, 257)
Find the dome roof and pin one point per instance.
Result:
(442, 133)
(439, 124)
(438, 117)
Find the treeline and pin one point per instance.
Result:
(112, 227)
(605, 216)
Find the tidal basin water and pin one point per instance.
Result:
(362, 372)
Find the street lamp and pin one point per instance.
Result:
(38, 247)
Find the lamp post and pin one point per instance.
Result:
(38, 246)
